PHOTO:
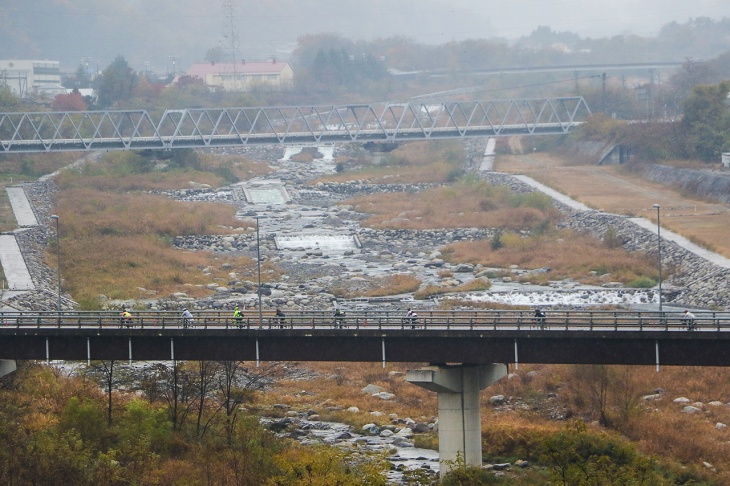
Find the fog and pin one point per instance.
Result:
(150, 35)
(592, 18)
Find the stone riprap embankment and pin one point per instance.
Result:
(33, 242)
(710, 184)
(691, 281)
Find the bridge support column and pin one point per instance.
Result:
(7, 366)
(460, 427)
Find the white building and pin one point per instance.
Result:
(28, 77)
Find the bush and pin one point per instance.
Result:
(642, 283)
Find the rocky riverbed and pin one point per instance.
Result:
(318, 244)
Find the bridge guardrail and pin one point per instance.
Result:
(480, 320)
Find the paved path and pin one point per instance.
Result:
(16, 272)
(12, 261)
(553, 193)
(718, 260)
(712, 257)
(24, 214)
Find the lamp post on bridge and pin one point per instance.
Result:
(258, 266)
(659, 250)
(58, 261)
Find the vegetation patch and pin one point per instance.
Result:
(116, 236)
(469, 203)
(563, 253)
(476, 285)
(412, 163)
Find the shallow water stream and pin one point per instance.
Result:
(399, 449)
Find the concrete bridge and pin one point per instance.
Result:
(466, 351)
(387, 122)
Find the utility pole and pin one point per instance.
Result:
(231, 34)
(174, 60)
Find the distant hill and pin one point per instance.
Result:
(153, 32)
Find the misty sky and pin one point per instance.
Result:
(591, 18)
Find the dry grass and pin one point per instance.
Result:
(476, 285)
(118, 244)
(371, 286)
(657, 427)
(393, 285)
(411, 163)
(339, 385)
(467, 204)
(28, 167)
(120, 172)
(616, 190)
(7, 218)
(566, 253)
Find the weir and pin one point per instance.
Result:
(329, 243)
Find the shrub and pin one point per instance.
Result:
(496, 243)
(642, 283)
(611, 239)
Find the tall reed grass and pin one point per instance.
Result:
(116, 237)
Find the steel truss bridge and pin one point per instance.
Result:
(471, 337)
(219, 127)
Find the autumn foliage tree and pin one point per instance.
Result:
(69, 102)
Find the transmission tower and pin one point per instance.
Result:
(231, 35)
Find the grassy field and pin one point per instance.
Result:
(616, 190)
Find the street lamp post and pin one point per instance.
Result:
(58, 260)
(258, 265)
(659, 250)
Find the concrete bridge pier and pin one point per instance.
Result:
(7, 366)
(460, 427)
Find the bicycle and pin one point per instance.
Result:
(339, 320)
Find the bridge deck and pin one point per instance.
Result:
(216, 127)
(600, 337)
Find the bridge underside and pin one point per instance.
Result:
(547, 347)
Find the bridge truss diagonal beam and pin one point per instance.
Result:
(211, 127)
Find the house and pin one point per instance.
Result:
(243, 76)
(29, 78)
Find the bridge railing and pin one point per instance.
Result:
(479, 320)
(216, 127)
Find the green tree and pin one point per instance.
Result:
(706, 121)
(8, 101)
(82, 77)
(579, 458)
(215, 54)
(58, 459)
(141, 423)
(85, 417)
(116, 83)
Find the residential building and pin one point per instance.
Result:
(27, 78)
(243, 76)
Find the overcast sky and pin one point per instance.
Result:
(149, 33)
(590, 18)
